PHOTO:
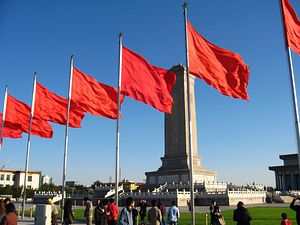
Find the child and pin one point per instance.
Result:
(285, 221)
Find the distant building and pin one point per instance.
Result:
(287, 176)
(46, 179)
(16, 178)
(72, 183)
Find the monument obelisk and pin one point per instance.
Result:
(175, 162)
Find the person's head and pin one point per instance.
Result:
(240, 205)
(10, 207)
(68, 202)
(217, 208)
(86, 199)
(7, 200)
(213, 203)
(129, 203)
(173, 203)
(154, 203)
(49, 200)
(284, 216)
(105, 203)
(111, 201)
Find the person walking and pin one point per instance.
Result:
(126, 213)
(11, 217)
(162, 209)
(218, 219)
(68, 212)
(173, 214)
(113, 212)
(143, 211)
(88, 212)
(54, 212)
(2, 210)
(285, 220)
(296, 208)
(241, 215)
(154, 214)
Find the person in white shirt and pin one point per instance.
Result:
(173, 214)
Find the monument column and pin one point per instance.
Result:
(175, 162)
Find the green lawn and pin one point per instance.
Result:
(260, 216)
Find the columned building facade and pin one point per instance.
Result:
(287, 176)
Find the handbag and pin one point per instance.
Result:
(222, 221)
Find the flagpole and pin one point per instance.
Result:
(293, 86)
(3, 116)
(189, 118)
(118, 123)
(66, 138)
(28, 145)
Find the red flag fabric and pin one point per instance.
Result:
(145, 82)
(51, 107)
(292, 26)
(17, 117)
(8, 132)
(218, 67)
(94, 97)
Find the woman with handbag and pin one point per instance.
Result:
(218, 218)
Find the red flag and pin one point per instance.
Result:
(218, 67)
(8, 132)
(94, 97)
(145, 82)
(51, 107)
(17, 117)
(292, 26)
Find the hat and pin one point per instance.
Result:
(49, 200)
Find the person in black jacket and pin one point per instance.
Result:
(241, 215)
(296, 208)
(101, 213)
(68, 212)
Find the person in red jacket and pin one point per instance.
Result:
(285, 221)
(113, 212)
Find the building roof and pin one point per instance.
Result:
(20, 171)
(287, 167)
(288, 156)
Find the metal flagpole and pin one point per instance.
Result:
(189, 118)
(118, 123)
(28, 145)
(3, 117)
(293, 86)
(66, 138)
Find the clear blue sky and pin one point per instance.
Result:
(237, 139)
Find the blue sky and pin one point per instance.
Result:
(238, 139)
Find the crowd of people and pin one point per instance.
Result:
(107, 213)
(8, 215)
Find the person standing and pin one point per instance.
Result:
(113, 212)
(211, 211)
(154, 214)
(88, 212)
(241, 215)
(135, 214)
(173, 214)
(54, 212)
(162, 209)
(2, 210)
(296, 208)
(101, 213)
(285, 220)
(11, 217)
(126, 213)
(68, 212)
(143, 211)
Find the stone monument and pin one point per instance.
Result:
(175, 163)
